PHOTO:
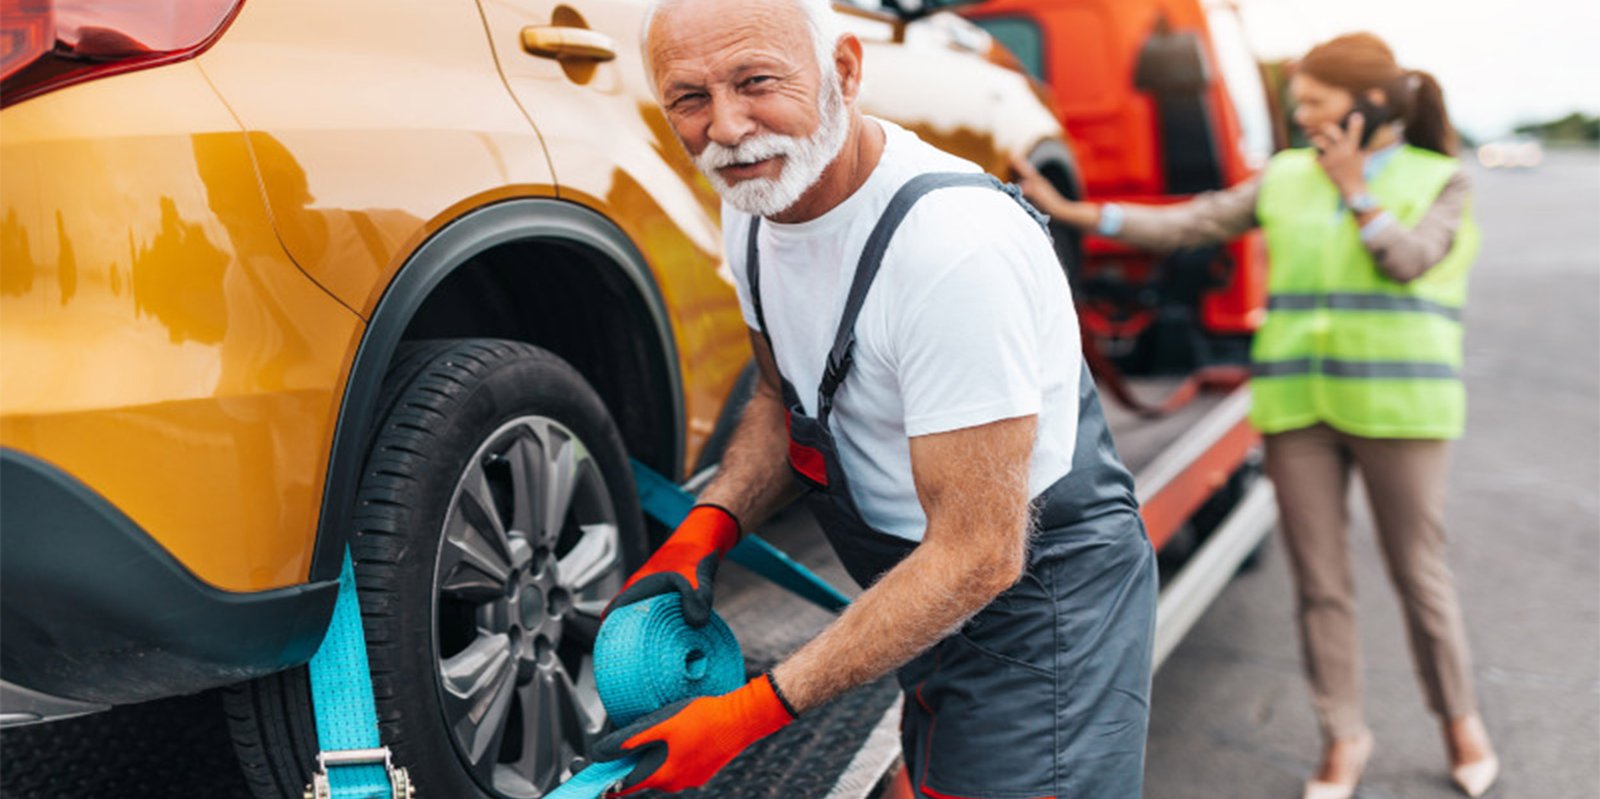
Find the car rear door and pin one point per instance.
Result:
(373, 124)
(576, 69)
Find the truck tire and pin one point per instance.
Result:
(496, 516)
(1057, 165)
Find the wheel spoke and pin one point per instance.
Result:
(586, 697)
(596, 556)
(526, 459)
(474, 566)
(552, 739)
(477, 503)
(479, 683)
(476, 559)
(563, 457)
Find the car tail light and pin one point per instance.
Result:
(48, 44)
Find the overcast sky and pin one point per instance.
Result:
(1500, 62)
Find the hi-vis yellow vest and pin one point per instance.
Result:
(1343, 343)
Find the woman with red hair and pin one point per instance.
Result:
(1370, 238)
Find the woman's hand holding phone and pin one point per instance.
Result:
(1340, 155)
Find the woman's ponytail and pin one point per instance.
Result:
(1427, 122)
(1361, 62)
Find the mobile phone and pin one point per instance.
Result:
(1374, 116)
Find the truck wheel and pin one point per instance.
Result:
(497, 516)
(1057, 165)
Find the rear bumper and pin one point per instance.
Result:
(96, 613)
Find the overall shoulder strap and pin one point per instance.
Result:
(839, 358)
(752, 270)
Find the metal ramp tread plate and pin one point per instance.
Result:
(809, 758)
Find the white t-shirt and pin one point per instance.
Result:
(969, 321)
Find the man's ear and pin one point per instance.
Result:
(847, 61)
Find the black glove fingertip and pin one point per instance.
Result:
(696, 610)
(651, 757)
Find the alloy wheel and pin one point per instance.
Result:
(528, 558)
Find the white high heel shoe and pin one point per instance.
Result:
(1317, 789)
(1475, 778)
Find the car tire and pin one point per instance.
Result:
(480, 596)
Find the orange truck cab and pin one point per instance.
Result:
(1162, 100)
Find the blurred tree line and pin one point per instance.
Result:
(1574, 128)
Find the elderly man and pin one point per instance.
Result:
(922, 383)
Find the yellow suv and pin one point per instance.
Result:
(420, 277)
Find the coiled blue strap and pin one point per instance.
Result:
(647, 657)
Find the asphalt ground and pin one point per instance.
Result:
(1231, 716)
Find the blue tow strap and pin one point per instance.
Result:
(647, 657)
(352, 764)
(665, 502)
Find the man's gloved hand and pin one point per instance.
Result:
(683, 744)
(686, 563)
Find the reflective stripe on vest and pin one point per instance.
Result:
(1342, 342)
(1370, 370)
(1350, 301)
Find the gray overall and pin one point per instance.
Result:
(1045, 692)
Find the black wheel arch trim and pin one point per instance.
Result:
(95, 609)
(452, 246)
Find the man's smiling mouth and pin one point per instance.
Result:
(745, 171)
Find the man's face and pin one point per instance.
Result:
(742, 90)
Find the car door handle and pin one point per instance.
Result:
(566, 43)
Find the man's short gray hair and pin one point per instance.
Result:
(821, 22)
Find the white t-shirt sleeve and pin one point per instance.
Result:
(966, 340)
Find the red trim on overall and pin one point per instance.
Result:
(805, 460)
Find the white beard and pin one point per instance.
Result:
(804, 159)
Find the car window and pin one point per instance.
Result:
(1022, 37)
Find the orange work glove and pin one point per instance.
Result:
(686, 563)
(684, 744)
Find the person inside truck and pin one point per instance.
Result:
(1369, 238)
(910, 322)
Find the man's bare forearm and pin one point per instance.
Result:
(973, 485)
(753, 481)
(916, 604)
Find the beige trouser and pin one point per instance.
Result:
(1405, 481)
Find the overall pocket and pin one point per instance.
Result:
(993, 700)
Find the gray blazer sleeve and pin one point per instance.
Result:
(1405, 254)
(1210, 218)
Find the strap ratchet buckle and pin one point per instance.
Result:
(400, 786)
